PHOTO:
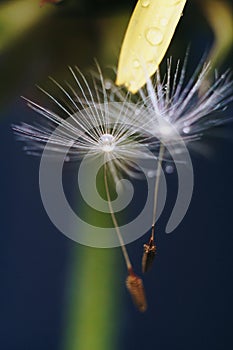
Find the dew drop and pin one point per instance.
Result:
(150, 65)
(178, 151)
(154, 36)
(132, 85)
(169, 169)
(108, 84)
(186, 129)
(151, 173)
(107, 142)
(136, 64)
(163, 21)
(145, 3)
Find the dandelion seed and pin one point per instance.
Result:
(176, 113)
(175, 110)
(93, 122)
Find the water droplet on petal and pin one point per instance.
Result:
(163, 21)
(145, 3)
(132, 85)
(136, 64)
(150, 65)
(154, 36)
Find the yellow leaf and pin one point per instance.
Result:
(147, 38)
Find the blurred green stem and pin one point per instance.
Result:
(92, 319)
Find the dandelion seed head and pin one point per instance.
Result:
(180, 109)
(93, 119)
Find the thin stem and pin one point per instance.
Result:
(159, 168)
(123, 248)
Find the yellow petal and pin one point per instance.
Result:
(147, 38)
